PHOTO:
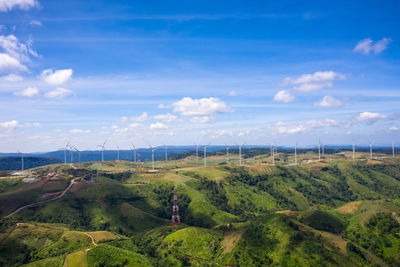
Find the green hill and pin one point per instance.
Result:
(326, 213)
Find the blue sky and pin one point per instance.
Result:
(180, 72)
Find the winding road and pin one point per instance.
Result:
(44, 201)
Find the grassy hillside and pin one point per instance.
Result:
(335, 212)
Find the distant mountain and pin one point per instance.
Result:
(14, 163)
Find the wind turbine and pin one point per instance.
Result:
(227, 153)
(134, 152)
(166, 153)
(272, 154)
(79, 155)
(72, 154)
(240, 154)
(319, 150)
(392, 150)
(65, 153)
(22, 160)
(102, 149)
(370, 149)
(197, 152)
(152, 156)
(205, 156)
(118, 152)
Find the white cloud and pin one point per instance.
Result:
(8, 63)
(7, 5)
(283, 128)
(11, 78)
(79, 131)
(329, 102)
(232, 93)
(166, 117)
(366, 46)
(58, 93)
(35, 22)
(393, 128)
(11, 46)
(201, 119)
(28, 92)
(315, 81)
(309, 87)
(200, 107)
(283, 96)
(225, 132)
(370, 117)
(9, 124)
(123, 119)
(143, 117)
(162, 106)
(158, 126)
(56, 77)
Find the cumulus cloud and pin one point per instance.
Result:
(366, 46)
(315, 81)
(158, 126)
(329, 102)
(57, 77)
(58, 93)
(162, 106)
(7, 5)
(370, 117)
(11, 78)
(11, 125)
(283, 96)
(28, 92)
(8, 63)
(283, 128)
(202, 119)
(166, 117)
(79, 131)
(393, 128)
(142, 117)
(200, 107)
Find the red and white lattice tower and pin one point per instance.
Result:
(176, 220)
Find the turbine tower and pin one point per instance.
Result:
(370, 150)
(319, 150)
(65, 153)
(22, 160)
(134, 152)
(392, 150)
(79, 155)
(354, 150)
(240, 155)
(227, 153)
(197, 152)
(102, 149)
(118, 152)
(205, 156)
(166, 152)
(272, 154)
(72, 154)
(152, 157)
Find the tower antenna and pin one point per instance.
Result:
(176, 220)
